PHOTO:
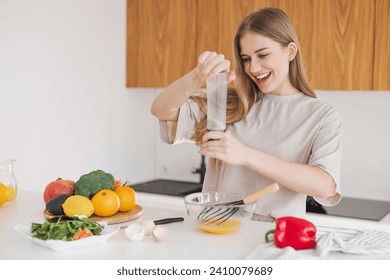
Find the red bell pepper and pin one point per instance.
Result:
(295, 232)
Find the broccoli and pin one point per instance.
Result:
(91, 183)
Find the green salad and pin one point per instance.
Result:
(64, 229)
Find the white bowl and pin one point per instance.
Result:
(60, 245)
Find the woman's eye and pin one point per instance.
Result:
(262, 55)
(245, 59)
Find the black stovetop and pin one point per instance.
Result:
(352, 208)
(168, 187)
(348, 207)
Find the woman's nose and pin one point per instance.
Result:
(255, 66)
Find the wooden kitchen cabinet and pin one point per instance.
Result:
(337, 42)
(161, 36)
(217, 23)
(381, 75)
(343, 47)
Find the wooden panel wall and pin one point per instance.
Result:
(165, 38)
(381, 76)
(161, 38)
(340, 49)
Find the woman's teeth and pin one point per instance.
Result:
(263, 76)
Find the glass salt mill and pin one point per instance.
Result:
(7, 177)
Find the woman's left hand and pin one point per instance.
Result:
(223, 146)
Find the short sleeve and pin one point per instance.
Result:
(326, 153)
(182, 130)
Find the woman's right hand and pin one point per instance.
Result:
(167, 104)
(211, 64)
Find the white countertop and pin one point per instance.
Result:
(184, 242)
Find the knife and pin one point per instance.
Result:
(216, 88)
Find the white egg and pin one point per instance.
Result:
(160, 233)
(148, 226)
(135, 232)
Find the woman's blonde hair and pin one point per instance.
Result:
(272, 23)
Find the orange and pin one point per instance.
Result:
(126, 197)
(106, 203)
(3, 194)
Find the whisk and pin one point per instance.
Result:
(219, 215)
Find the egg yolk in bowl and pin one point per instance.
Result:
(227, 226)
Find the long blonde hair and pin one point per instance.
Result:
(276, 25)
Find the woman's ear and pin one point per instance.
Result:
(292, 51)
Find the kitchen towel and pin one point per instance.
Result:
(332, 243)
(269, 251)
(350, 241)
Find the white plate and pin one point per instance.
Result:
(61, 246)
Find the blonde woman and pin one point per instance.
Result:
(277, 129)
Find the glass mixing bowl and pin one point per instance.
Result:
(214, 212)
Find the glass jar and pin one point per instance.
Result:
(7, 177)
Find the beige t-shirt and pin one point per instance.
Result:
(296, 127)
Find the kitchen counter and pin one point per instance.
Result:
(184, 242)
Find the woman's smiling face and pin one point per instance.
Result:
(266, 62)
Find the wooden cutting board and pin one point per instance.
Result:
(119, 217)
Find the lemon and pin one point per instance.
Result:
(3, 194)
(78, 205)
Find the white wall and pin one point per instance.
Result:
(65, 109)
(365, 116)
